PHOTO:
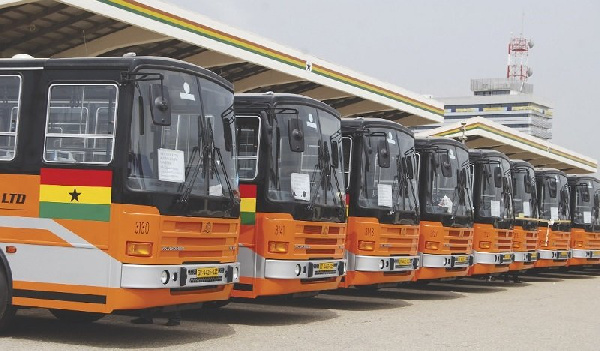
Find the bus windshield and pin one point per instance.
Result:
(190, 156)
(392, 186)
(312, 174)
(448, 182)
(553, 195)
(587, 204)
(495, 193)
(524, 195)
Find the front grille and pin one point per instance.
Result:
(324, 240)
(198, 240)
(399, 240)
(459, 241)
(531, 240)
(593, 241)
(553, 239)
(504, 242)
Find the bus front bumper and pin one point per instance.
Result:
(493, 257)
(579, 253)
(313, 269)
(136, 276)
(446, 261)
(526, 257)
(383, 263)
(554, 254)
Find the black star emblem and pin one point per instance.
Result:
(75, 195)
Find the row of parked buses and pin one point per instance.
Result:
(136, 182)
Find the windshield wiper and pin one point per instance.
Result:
(314, 185)
(215, 149)
(460, 190)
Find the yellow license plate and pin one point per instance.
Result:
(596, 254)
(563, 254)
(507, 257)
(462, 259)
(207, 272)
(326, 266)
(404, 262)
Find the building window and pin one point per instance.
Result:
(80, 124)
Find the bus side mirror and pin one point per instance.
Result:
(296, 135)
(527, 184)
(445, 165)
(383, 153)
(160, 109)
(585, 193)
(552, 188)
(266, 128)
(335, 154)
(497, 177)
(408, 166)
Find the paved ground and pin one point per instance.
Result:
(547, 311)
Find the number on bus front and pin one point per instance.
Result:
(142, 227)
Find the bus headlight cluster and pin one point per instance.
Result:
(381, 264)
(165, 276)
(297, 270)
(236, 273)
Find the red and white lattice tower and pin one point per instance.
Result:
(518, 55)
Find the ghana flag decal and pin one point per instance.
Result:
(75, 194)
(248, 205)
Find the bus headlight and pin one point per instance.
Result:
(236, 273)
(297, 270)
(381, 264)
(484, 245)
(165, 276)
(432, 245)
(139, 249)
(366, 245)
(278, 246)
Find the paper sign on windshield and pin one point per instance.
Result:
(171, 165)
(553, 213)
(215, 190)
(587, 217)
(300, 184)
(384, 195)
(446, 202)
(495, 208)
(526, 209)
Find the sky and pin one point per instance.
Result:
(435, 47)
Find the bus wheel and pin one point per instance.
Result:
(76, 316)
(7, 310)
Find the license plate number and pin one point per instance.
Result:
(404, 262)
(462, 259)
(207, 272)
(326, 266)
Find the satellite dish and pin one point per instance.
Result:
(530, 43)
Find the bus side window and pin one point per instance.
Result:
(248, 145)
(80, 124)
(10, 102)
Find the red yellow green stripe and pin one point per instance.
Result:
(248, 204)
(511, 136)
(75, 194)
(222, 37)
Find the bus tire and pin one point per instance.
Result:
(76, 316)
(7, 310)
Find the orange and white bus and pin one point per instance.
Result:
(554, 231)
(293, 215)
(494, 216)
(446, 203)
(585, 220)
(383, 202)
(116, 194)
(525, 232)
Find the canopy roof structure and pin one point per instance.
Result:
(75, 28)
(481, 133)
